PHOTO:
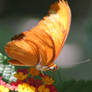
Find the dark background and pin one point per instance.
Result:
(19, 15)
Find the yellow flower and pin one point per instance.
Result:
(47, 80)
(3, 89)
(20, 76)
(34, 72)
(43, 89)
(26, 88)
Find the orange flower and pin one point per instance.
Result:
(34, 72)
(42, 88)
(47, 80)
(20, 76)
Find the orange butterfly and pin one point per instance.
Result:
(40, 46)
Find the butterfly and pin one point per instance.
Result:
(40, 46)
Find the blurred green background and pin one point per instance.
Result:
(75, 60)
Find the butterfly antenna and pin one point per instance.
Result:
(83, 62)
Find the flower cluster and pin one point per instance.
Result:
(28, 80)
(5, 87)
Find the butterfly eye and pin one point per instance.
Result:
(18, 37)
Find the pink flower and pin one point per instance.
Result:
(2, 82)
(14, 85)
(10, 87)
